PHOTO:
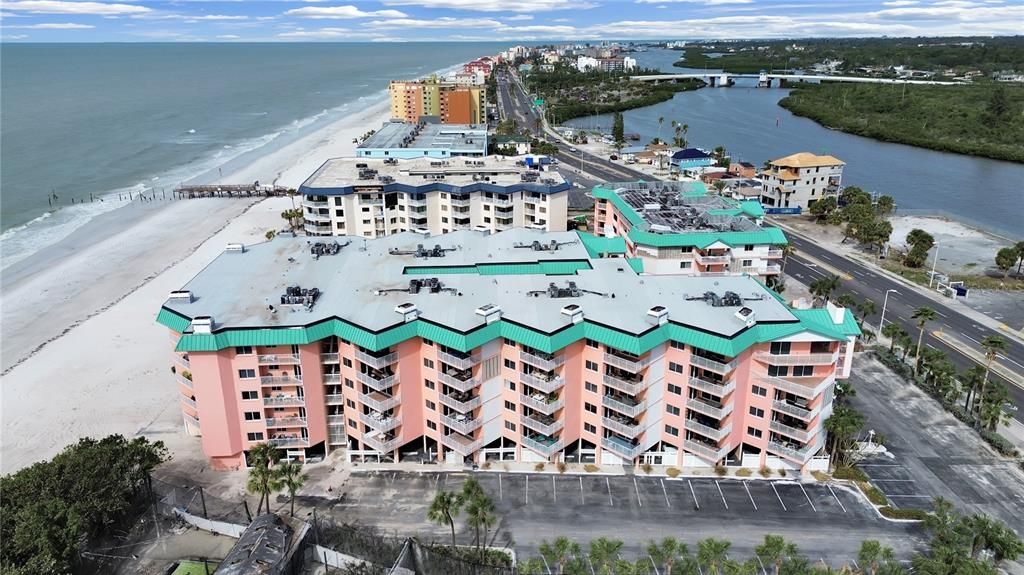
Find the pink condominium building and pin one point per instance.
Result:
(522, 345)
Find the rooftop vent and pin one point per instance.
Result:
(574, 312)
(657, 315)
(325, 249)
(536, 246)
(727, 299)
(235, 248)
(408, 311)
(295, 295)
(202, 324)
(490, 312)
(391, 161)
(417, 285)
(554, 291)
(421, 252)
(181, 295)
(746, 315)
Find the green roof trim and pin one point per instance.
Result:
(548, 268)
(600, 246)
(637, 264)
(172, 320)
(814, 320)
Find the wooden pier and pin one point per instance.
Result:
(231, 191)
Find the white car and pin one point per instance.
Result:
(573, 150)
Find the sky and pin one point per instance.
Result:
(496, 20)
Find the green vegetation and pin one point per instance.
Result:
(53, 510)
(480, 515)
(864, 218)
(1006, 258)
(980, 120)
(920, 242)
(194, 568)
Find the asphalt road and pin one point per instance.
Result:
(865, 284)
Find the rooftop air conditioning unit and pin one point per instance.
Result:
(574, 312)
(235, 248)
(657, 315)
(408, 311)
(181, 295)
(490, 312)
(746, 315)
(202, 324)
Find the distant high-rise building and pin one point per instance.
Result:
(450, 102)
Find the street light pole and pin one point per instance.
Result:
(885, 302)
(934, 263)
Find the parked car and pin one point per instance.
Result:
(613, 157)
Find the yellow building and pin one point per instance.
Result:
(450, 102)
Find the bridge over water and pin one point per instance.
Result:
(766, 80)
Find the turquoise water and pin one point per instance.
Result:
(95, 119)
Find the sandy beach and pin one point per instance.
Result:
(81, 353)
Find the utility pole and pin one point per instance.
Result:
(885, 302)
(935, 262)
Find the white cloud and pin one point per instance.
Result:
(65, 7)
(389, 39)
(341, 13)
(53, 26)
(953, 12)
(705, 2)
(518, 17)
(315, 34)
(895, 3)
(14, 36)
(445, 22)
(497, 5)
(541, 29)
(229, 37)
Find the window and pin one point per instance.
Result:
(247, 374)
(429, 363)
(780, 348)
(589, 428)
(346, 362)
(252, 416)
(673, 388)
(778, 370)
(250, 395)
(685, 265)
(431, 425)
(754, 432)
(590, 407)
(510, 406)
(758, 390)
(510, 426)
(672, 430)
(508, 341)
(591, 387)
(244, 350)
(349, 383)
(512, 385)
(821, 347)
(254, 436)
(350, 404)
(748, 248)
(675, 367)
(672, 409)
(677, 344)
(593, 343)
(431, 405)
(352, 423)
(803, 370)
(591, 365)
(747, 263)
(756, 411)
(510, 364)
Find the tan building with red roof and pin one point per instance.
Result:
(799, 180)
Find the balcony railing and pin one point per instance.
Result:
(184, 380)
(706, 430)
(545, 425)
(715, 366)
(547, 363)
(458, 362)
(194, 421)
(501, 202)
(630, 430)
(379, 401)
(761, 270)
(377, 362)
(630, 365)
(774, 253)
(316, 217)
(719, 389)
(284, 401)
(286, 421)
(334, 399)
(456, 383)
(317, 229)
(546, 447)
(712, 259)
(329, 358)
(335, 420)
(383, 445)
(797, 358)
(545, 384)
(278, 358)
(624, 385)
(189, 402)
(182, 360)
(706, 451)
(332, 378)
(459, 202)
(381, 383)
(337, 438)
(799, 385)
(459, 405)
(715, 410)
(796, 410)
(796, 433)
(289, 441)
(622, 448)
(461, 444)
(415, 203)
(280, 380)
(462, 424)
(315, 204)
(380, 422)
(795, 451)
(542, 403)
(624, 405)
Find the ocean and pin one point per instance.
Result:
(81, 122)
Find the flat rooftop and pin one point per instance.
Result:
(686, 207)
(499, 173)
(364, 281)
(426, 136)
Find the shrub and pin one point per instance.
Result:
(782, 473)
(915, 514)
(539, 467)
(873, 494)
(647, 467)
(187, 375)
(590, 468)
(851, 473)
(821, 475)
(562, 467)
(720, 470)
(999, 443)
(673, 472)
(743, 472)
(486, 465)
(765, 472)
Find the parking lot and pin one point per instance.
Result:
(897, 483)
(827, 521)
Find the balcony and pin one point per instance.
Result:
(334, 420)
(284, 401)
(710, 259)
(379, 421)
(314, 203)
(183, 380)
(708, 431)
(542, 382)
(630, 364)
(189, 402)
(294, 441)
(464, 424)
(377, 362)
(543, 423)
(191, 419)
(774, 253)
(286, 421)
(461, 444)
(761, 270)
(278, 358)
(719, 389)
(627, 386)
(546, 446)
(379, 401)
(337, 438)
(381, 441)
(458, 361)
(714, 454)
(801, 435)
(622, 425)
(545, 361)
(182, 360)
(796, 410)
(317, 229)
(797, 358)
(808, 387)
(316, 217)
(621, 447)
(624, 405)
(379, 381)
(501, 202)
(329, 358)
(465, 384)
(460, 202)
(709, 408)
(280, 380)
(461, 402)
(334, 399)
(416, 203)
(715, 366)
(546, 404)
(332, 378)
(795, 451)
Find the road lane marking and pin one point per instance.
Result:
(693, 494)
(722, 495)
(749, 495)
(780, 497)
(609, 485)
(665, 491)
(837, 499)
(813, 508)
(637, 488)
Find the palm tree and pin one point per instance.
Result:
(923, 315)
(904, 344)
(291, 478)
(262, 457)
(480, 514)
(733, 567)
(661, 121)
(712, 553)
(843, 426)
(293, 217)
(992, 345)
(991, 413)
(824, 287)
(667, 552)
(872, 553)
(893, 332)
(971, 381)
(775, 550)
(603, 552)
(1019, 247)
(443, 510)
(559, 552)
(865, 309)
(846, 300)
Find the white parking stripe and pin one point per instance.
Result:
(637, 488)
(609, 484)
(500, 496)
(527, 492)
(837, 500)
(722, 495)
(749, 495)
(554, 490)
(665, 491)
(693, 494)
(582, 501)
(808, 497)
(780, 497)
